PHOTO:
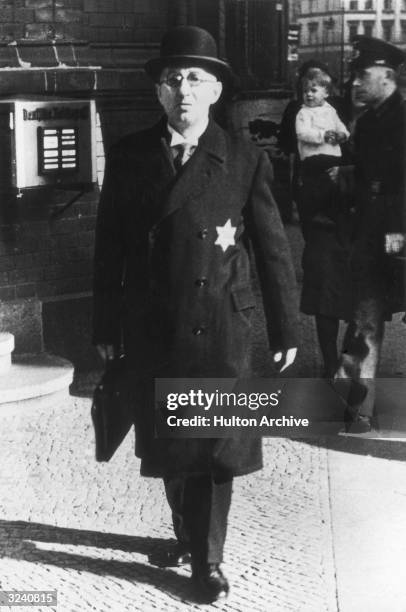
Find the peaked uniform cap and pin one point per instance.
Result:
(188, 46)
(368, 51)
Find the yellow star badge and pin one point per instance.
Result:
(225, 235)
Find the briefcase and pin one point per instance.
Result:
(112, 409)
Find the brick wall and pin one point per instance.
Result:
(94, 20)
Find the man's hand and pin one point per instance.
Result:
(394, 243)
(333, 173)
(341, 137)
(106, 351)
(285, 358)
(343, 176)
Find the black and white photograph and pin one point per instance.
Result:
(202, 305)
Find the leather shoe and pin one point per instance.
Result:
(171, 557)
(359, 424)
(211, 583)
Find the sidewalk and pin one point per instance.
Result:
(321, 529)
(368, 513)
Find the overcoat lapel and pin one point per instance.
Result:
(158, 163)
(202, 168)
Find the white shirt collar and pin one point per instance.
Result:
(193, 138)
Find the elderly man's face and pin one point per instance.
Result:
(186, 95)
(369, 85)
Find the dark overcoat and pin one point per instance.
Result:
(173, 276)
(326, 225)
(380, 160)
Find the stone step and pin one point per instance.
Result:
(35, 381)
(6, 348)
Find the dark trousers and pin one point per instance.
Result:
(200, 509)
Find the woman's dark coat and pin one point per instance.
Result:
(173, 277)
(326, 225)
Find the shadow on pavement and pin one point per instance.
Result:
(40, 532)
(381, 449)
(325, 407)
(24, 541)
(359, 445)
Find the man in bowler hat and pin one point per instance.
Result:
(378, 246)
(183, 206)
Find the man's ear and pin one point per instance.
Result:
(217, 90)
(158, 91)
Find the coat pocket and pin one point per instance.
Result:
(243, 300)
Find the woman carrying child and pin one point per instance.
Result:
(324, 216)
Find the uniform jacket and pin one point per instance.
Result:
(173, 270)
(379, 142)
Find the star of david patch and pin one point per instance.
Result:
(225, 235)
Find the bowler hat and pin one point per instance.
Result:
(368, 51)
(188, 46)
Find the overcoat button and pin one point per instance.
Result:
(203, 233)
(198, 331)
(200, 282)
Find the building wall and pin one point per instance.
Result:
(93, 20)
(327, 27)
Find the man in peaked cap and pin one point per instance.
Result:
(378, 248)
(368, 52)
(181, 206)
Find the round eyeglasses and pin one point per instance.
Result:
(174, 80)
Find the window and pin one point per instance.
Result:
(313, 32)
(369, 5)
(329, 30)
(252, 37)
(330, 37)
(387, 30)
(403, 5)
(368, 28)
(353, 5)
(403, 30)
(387, 5)
(311, 6)
(352, 29)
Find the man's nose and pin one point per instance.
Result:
(184, 86)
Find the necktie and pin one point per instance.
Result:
(182, 153)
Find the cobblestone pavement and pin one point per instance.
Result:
(86, 529)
